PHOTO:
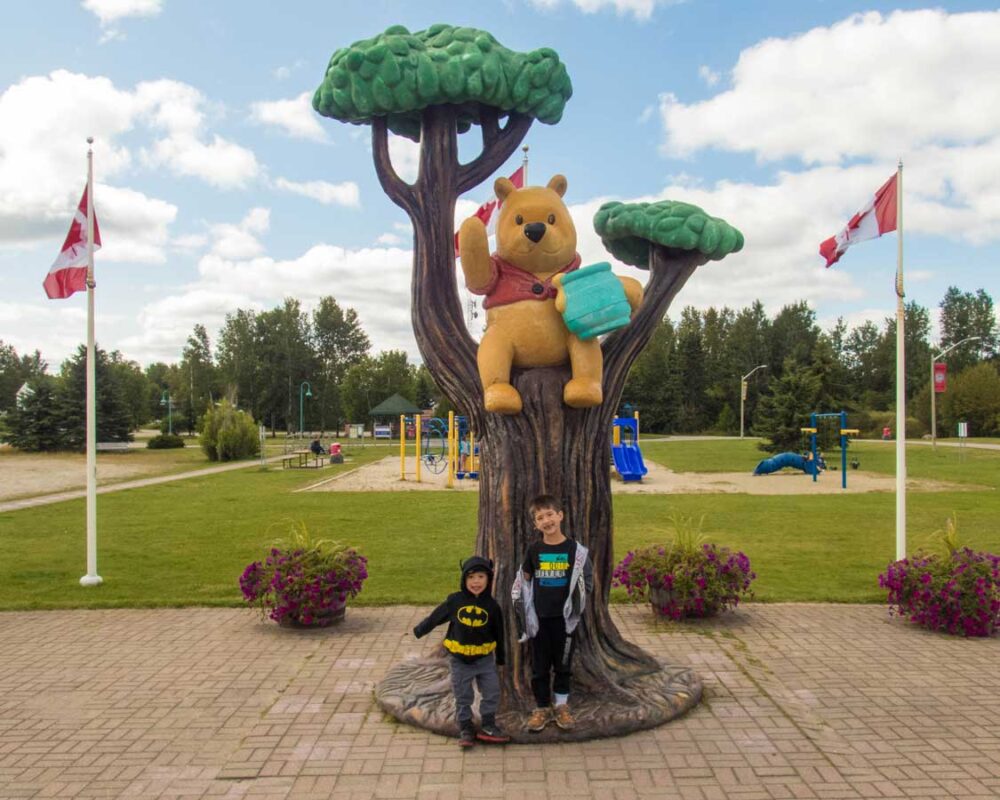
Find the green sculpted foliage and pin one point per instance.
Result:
(397, 74)
(627, 230)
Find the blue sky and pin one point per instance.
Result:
(219, 188)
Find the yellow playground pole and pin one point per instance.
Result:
(417, 445)
(636, 415)
(402, 447)
(471, 466)
(451, 449)
(616, 435)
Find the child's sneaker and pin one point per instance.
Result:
(564, 719)
(490, 732)
(466, 736)
(539, 718)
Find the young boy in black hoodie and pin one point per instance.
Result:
(475, 641)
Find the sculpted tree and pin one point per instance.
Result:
(430, 86)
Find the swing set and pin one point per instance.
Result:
(845, 434)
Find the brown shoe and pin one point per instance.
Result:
(539, 718)
(564, 719)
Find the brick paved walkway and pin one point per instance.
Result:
(802, 701)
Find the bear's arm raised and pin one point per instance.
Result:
(474, 249)
(633, 292)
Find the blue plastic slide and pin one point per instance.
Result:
(627, 455)
(782, 460)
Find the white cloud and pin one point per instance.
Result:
(867, 87)
(341, 194)
(43, 160)
(390, 239)
(710, 76)
(110, 11)
(295, 116)
(640, 9)
(373, 281)
(176, 109)
(868, 90)
(52, 328)
(237, 242)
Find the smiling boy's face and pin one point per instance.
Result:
(476, 582)
(548, 521)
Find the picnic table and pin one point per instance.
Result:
(301, 459)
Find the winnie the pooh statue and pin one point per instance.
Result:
(524, 299)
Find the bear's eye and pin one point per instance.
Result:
(519, 220)
(552, 219)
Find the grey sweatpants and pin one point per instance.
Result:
(482, 671)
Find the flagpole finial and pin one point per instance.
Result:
(90, 140)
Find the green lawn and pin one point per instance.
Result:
(185, 543)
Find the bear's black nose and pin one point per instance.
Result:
(535, 231)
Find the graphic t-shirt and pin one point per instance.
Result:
(550, 566)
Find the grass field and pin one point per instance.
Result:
(185, 543)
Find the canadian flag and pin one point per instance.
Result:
(68, 273)
(877, 217)
(485, 211)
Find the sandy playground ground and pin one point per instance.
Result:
(26, 475)
(383, 476)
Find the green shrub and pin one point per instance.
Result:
(165, 441)
(228, 434)
(871, 423)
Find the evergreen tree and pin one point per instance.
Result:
(652, 384)
(785, 411)
(35, 423)
(113, 420)
(340, 342)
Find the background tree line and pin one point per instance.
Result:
(686, 381)
(688, 378)
(261, 363)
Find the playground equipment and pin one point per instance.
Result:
(845, 432)
(793, 460)
(440, 444)
(625, 448)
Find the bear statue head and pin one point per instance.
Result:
(535, 231)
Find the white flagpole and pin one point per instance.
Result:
(91, 578)
(900, 377)
(524, 166)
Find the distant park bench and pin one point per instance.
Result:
(112, 446)
(300, 459)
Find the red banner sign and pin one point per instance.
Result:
(940, 377)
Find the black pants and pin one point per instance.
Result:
(551, 651)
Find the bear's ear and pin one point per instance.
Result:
(503, 187)
(558, 184)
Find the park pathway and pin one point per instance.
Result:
(801, 701)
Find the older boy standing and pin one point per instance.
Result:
(551, 590)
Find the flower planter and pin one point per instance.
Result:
(304, 582)
(321, 619)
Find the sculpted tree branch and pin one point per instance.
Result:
(670, 239)
(400, 192)
(492, 158)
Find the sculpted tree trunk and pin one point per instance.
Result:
(429, 86)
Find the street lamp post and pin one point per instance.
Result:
(941, 355)
(166, 400)
(743, 392)
(308, 387)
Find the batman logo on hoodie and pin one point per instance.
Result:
(473, 616)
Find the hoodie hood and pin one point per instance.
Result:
(477, 564)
